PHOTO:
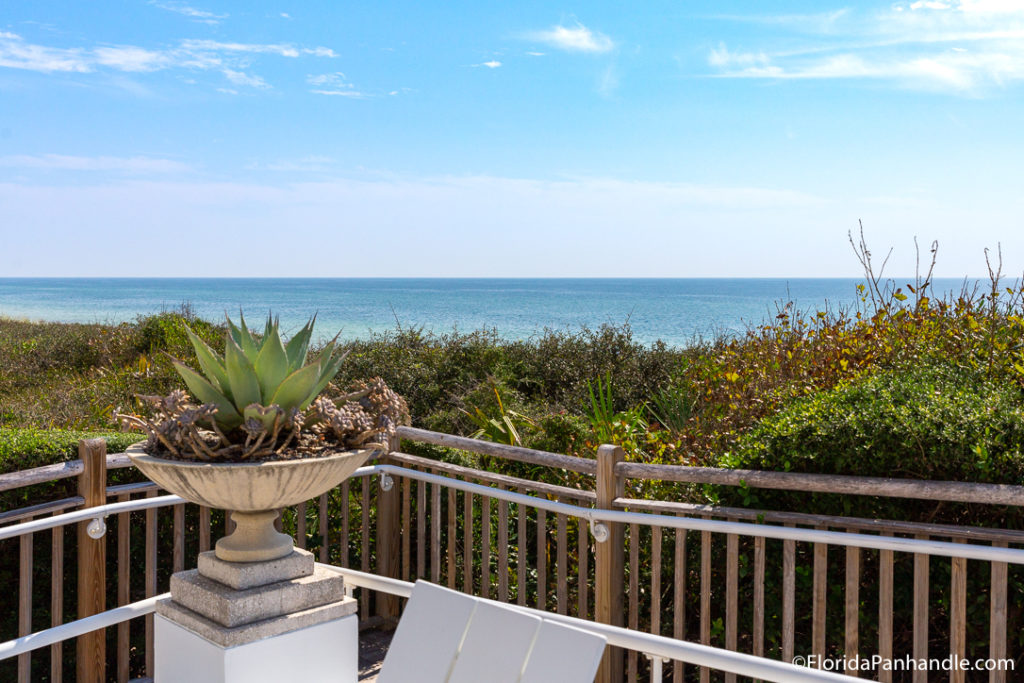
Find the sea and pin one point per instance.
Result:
(678, 312)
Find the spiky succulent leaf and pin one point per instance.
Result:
(272, 363)
(211, 365)
(329, 367)
(207, 393)
(298, 346)
(297, 391)
(248, 344)
(245, 386)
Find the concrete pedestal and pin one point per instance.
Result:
(228, 622)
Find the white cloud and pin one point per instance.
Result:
(15, 53)
(334, 84)
(191, 12)
(576, 38)
(228, 57)
(129, 58)
(723, 57)
(244, 79)
(915, 45)
(62, 162)
(492, 64)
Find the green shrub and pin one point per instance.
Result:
(934, 421)
(22, 449)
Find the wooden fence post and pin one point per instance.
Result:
(388, 536)
(92, 563)
(608, 565)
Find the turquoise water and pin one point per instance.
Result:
(673, 310)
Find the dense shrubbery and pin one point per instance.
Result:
(22, 449)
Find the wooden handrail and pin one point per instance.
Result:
(517, 453)
(972, 533)
(953, 491)
(492, 478)
(55, 472)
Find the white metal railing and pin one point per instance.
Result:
(73, 629)
(655, 646)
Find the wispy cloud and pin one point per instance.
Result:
(246, 80)
(15, 53)
(230, 58)
(577, 38)
(192, 13)
(334, 84)
(957, 46)
(492, 64)
(62, 162)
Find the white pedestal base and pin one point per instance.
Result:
(326, 652)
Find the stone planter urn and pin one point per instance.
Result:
(252, 492)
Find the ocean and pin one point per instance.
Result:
(676, 311)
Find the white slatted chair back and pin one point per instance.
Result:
(564, 654)
(497, 645)
(449, 637)
(429, 635)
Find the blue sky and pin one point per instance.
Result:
(507, 139)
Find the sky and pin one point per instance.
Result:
(508, 139)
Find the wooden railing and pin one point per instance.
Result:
(715, 588)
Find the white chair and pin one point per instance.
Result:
(449, 637)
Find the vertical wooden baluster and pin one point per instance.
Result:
(364, 550)
(634, 597)
(609, 566)
(204, 528)
(852, 606)
(485, 546)
(885, 589)
(502, 550)
(656, 534)
(452, 537)
(25, 542)
(123, 588)
(346, 504)
(818, 608)
(435, 533)
(759, 548)
(705, 597)
(679, 598)
(542, 559)
(178, 552)
(364, 527)
(57, 600)
(468, 542)
(732, 603)
(521, 555)
(562, 590)
(406, 528)
(997, 619)
(920, 612)
(421, 529)
(324, 530)
(958, 614)
(91, 648)
(151, 521)
(788, 598)
(583, 601)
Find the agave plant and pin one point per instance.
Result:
(264, 380)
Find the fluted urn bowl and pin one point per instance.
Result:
(252, 492)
